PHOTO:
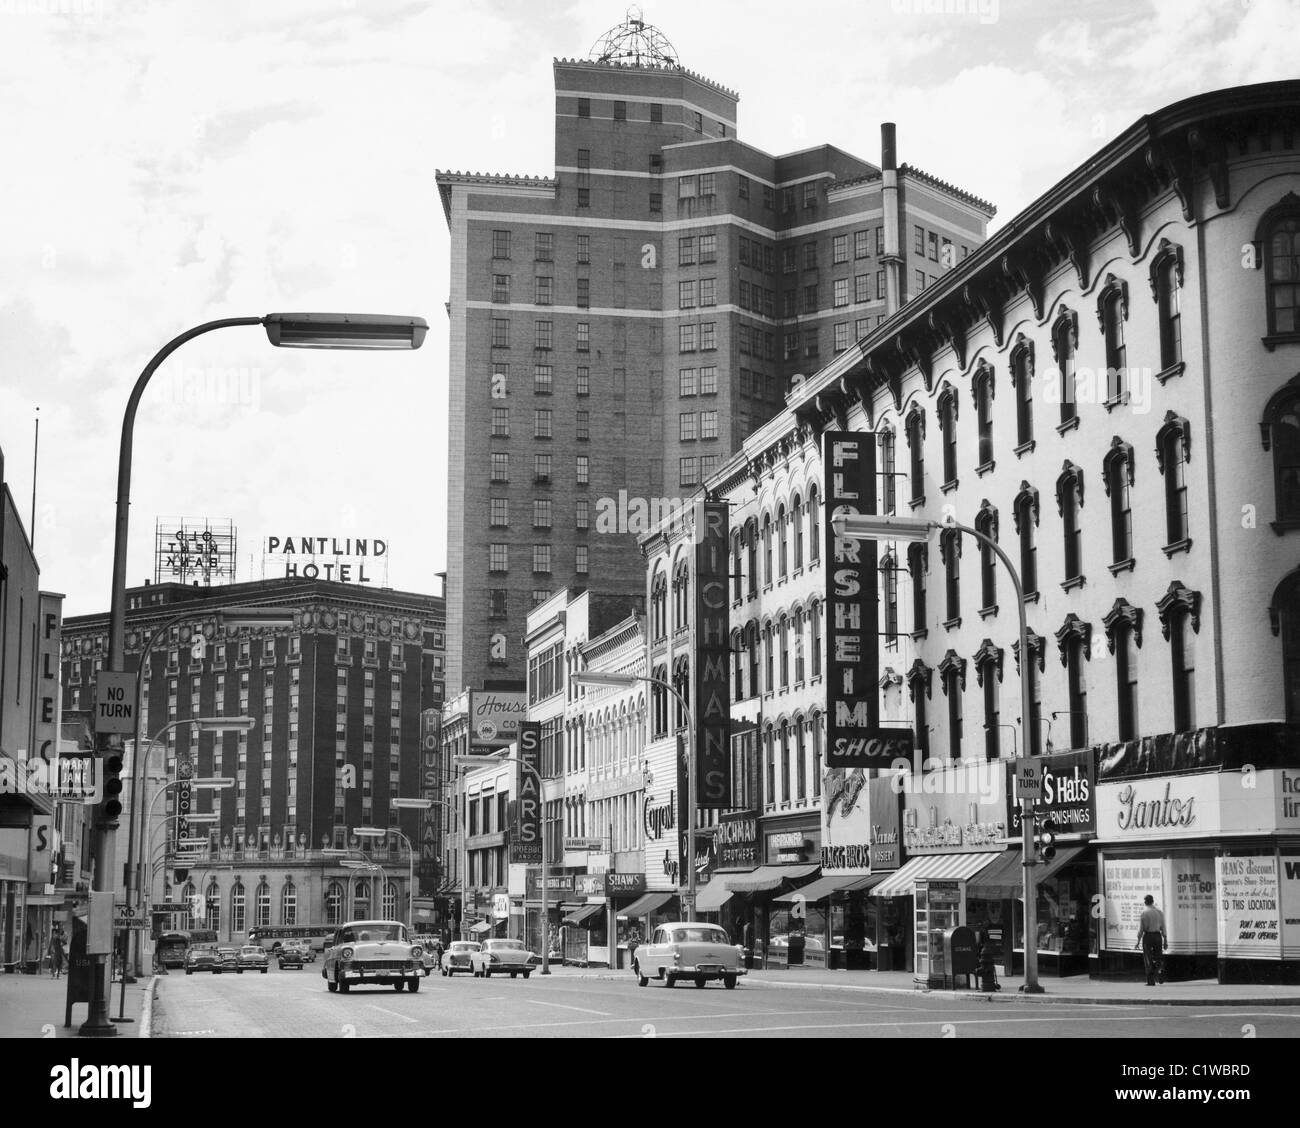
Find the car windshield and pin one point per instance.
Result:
(699, 936)
(251, 950)
(371, 933)
(226, 952)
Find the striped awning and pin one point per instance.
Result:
(769, 877)
(581, 916)
(951, 867)
(713, 896)
(823, 887)
(645, 905)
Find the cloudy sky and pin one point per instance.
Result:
(164, 164)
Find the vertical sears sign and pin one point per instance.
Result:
(526, 841)
(854, 738)
(712, 658)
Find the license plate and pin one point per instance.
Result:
(709, 967)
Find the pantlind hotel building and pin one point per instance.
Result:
(1152, 516)
(344, 687)
(619, 328)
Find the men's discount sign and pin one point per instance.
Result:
(1250, 922)
(526, 842)
(854, 737)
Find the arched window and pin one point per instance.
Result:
(988, 675)
(1112, 312)
(1284, 615)
(983, 391)
(1173, 447)
(918, 689)
(783, 543)
(737, 577)
(798, 641)
(952, 672)
(237, 921)
(986, 522)
(390, 901)
(815, 638)
(1069, 500)
(659, 605)
(361, 899)
(288, 903)
(1123, 624)
(1279, 234)
(1022, 379)
(916, 565)
(1117, 479)
(1180, 620)
(800, 764)
(916, 452)
(784, 630)
(769, 767)
(751, 648)
(751, 547)
(950, 552)
(738, 665)
(889, 586)
(814, 525)
(785, 761)
(796, 517)
(1281, 433)
(1065, 341)
(213, 923)
(1037, 653)
(682, 683)
(888, 471)
(681, 594)
(659, 701)
(767, 549)
(1166, 289)
(1025, 513)
(816, 726)
(769, 669)
(1075, 642)
(948, 429)
(262, 905)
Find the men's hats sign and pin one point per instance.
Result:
(854, 737)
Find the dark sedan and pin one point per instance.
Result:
(201, 959)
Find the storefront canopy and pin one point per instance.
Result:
(584, 914)
(644, 906)
(823, 887)
(480, 927)
(768, 877)
(952, 867)
(1004, 877)
(713, 896)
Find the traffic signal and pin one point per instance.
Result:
(111, 807)
(1047, 839)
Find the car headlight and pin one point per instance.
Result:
(416, 952)
(346, 954)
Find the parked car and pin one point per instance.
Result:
(689, 950)
(201, 959)
(501, 956)
(290, 955)
(457, 956)
(253, 958)
(367, 952)
(228, 960)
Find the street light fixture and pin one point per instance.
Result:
(853, 526)
(286, 330)
(379, 832)
(472, 761)
(630, 681)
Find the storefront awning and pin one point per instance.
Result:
(769, 877)
(644, 906)
(713, 896)
(952, 867)
(823, 887)
(1004, 877)
(585, 913)
(480, 927)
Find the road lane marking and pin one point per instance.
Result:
(1247, 1014)
(565, 1006)
(395, 1014)
(874, 1025)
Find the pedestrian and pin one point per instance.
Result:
(747, 942)
(1152, 940)
(56, 953)
(437, 953)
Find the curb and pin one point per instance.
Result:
(1004, 997)
(146, 1009)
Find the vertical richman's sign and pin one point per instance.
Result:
(712, 701)
(853, 734)
(526, 841)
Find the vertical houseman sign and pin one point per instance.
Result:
(712, 659)
(526, 842)
(430, 847)
(854, 737)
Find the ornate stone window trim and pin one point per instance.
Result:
(1179, 597)
(1123, 613)
(1073, 628)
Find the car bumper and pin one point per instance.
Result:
(384, 975)
(714, 971)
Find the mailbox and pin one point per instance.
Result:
(959, 953)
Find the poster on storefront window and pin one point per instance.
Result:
(1125, 882)
(1191, 912)
(1289, 896)
(1249, 917)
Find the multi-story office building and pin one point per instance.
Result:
(336, 700)
(620, 327)
(1108, 390)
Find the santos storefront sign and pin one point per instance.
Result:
(1161, 808)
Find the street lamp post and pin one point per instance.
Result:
(380, 832)
(629, 681)
(283, 330)
(862, 527)
(482, 761)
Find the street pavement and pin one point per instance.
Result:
(34, 1006)
(573, 1003)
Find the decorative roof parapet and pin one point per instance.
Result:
(950, 189)
(594, 65)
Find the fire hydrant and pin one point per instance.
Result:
(988, 971)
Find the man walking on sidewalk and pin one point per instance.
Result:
(1152, 940)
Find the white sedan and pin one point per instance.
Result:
(497, 957)
(689, 950)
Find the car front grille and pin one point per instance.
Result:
(384, 965)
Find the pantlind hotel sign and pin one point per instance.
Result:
(329, 558)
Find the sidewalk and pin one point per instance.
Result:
(33, 1006)
(1073, 989)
